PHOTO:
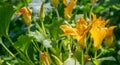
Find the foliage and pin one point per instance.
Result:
(81, 32)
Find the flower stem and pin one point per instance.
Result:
(22, 55)
(82, 60)
(95, 56)
(7, 49)
(87, 49)
(91, 8)
(102, 51)
(27, 56)
(36, 46)
(43, 28)
(56, 10)
(39, 28)
(28, 29)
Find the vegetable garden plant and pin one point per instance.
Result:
(72, 32)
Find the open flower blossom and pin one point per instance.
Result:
(26, 12)
(99, 31)
(69, 7)
(79, 32)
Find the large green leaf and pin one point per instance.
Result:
(54, 28)
(22, 42)
(6, 12)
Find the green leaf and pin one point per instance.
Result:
(54, 28)
(37, 36)
(57, 60)
(6, 12)
(22, 42)
(28, 1)
(98, 9)
(111, 58)
(2, 1)
(89, 63)
(31, 52)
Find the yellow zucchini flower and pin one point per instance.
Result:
(26, 12)
(99, 32)
(79, 32)
(69, 7)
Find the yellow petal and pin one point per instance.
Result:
(65, 3)
(110, 31)
(109, 35)
(99, 31)
(98, 35)
(81, 26)
(68, 30)
(69, 7)
(109, 40)
(94, 16)
(82, 40)
(105, 22)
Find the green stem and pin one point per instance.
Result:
(43, 28)
(95, 56)
(27, 56)
(70, 52)
(82, 60)
(7, 49)
(85, 12)
(102, 51)
(99, 55)
(56, 10)
(87, 49)
(37, 25)
(10, 40)
(36, 46)
(28, 29)
(22, 55)
(91, 8)
(39, 28)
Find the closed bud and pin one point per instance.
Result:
(42, 14)
(57, 60)
(55, 3)
(44, 57)
(26, 12)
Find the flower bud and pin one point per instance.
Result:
(42, 15)
(55, 3)
(57, 60)
(26, 12)
(44, 57)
